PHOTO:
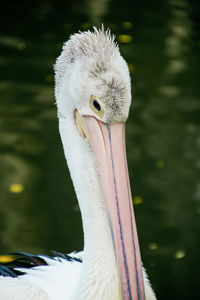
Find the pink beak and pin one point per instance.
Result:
(108, 143)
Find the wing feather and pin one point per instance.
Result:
(40, 277)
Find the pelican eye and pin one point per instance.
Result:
(96, 106)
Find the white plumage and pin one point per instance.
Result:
(59, 280)
(89, 65)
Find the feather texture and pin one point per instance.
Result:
(40, 276)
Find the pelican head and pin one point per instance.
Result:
(93, 96)
(91, 65)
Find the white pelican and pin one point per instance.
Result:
(93, 96)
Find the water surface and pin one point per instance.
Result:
(39, 212)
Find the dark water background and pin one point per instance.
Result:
(38, 210)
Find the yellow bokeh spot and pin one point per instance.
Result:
(6, 258)
(131, 68)
(160, 164)
(49, 78)
(86, 26)
(124, 38)
(127, 25)
(16, 188)
(137, 200)
(179, 254)
(153, 246)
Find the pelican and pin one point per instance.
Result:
(93, 96)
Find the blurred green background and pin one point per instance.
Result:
(38, 209)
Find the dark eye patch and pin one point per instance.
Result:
(96, 105)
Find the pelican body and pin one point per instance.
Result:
(93, 96)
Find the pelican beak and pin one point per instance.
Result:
(108, 143)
